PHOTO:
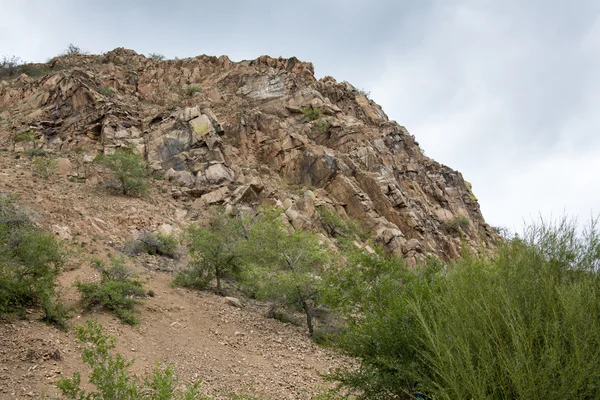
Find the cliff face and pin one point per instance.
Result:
(250, 132)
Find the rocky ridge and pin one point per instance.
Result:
(246, 133)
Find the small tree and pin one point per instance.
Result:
(129, 171)
(156, 56)
(9, 66)
(215, 251)
(285, 267)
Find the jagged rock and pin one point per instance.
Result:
(218, 173)
(216, 197)
(245, 131)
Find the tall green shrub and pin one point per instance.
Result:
(524, 324)
(30, 262)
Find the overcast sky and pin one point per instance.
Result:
(505, 91)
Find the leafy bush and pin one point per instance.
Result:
(129, 171)
(524, 324)
(312, 113)
(111, 377)
(215, 252)
(457, 224)
(30, 261)
(116, 291)
(153, 244)
(44, 167)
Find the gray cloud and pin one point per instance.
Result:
(506, 92)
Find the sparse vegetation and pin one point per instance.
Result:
(9, 66)
(337, 226)
(156, 57)
(44, 167)
(129, 171)
(322, 125)
(153, 244)
(312, 113)
(116, 291)
(106, 91)
(111, 376)
(191, 90)
(72, 49)
(28, 136)
(457, 224)
(30, 261)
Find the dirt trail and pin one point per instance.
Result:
(228, 349)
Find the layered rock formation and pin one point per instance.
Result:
(250, 132)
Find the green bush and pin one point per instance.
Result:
(129, 171)
(111, 377)
(28, 136)
(44, 167)
(153, 244)
(523, 324)
(312, 113)
(116, 291)
(30, 262)
(322, 125)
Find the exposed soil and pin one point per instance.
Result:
(230, 350)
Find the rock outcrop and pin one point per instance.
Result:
(250, 132)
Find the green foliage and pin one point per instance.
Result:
(28, 136)
(36, 153)
(312, 113)
(215, 251)
(129, 171)
(156, 57)
(153, 244)
(116, 291)
(30, 261)
(285, 267)
(44, 167)
(111, 377)
(106, 91)
(337, 226)
(524, 324)
(322, 125)
(193, 89)
(457, 224)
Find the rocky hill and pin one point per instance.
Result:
(245, 133)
